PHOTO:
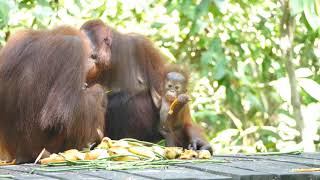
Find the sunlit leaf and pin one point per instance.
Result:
(317, 6)
(188, 9)
(206, 57)
(218, 55)
(202, 8)
(220, 3)
(219, 69)
(282, 86)
(311, 87)
(78, 3)
(269, 130)
(43, 2)
(157, 25)
(303, 72)
(234, 100)
(4, 11)
(296, 6)
(311, 15)
(226, 135)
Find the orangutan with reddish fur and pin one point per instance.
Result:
(175, 119)
(43, 101)
(135, 79)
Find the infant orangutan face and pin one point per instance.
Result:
(175, 84)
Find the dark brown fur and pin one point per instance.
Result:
(136, 68)
(42, 100)
(132, 116)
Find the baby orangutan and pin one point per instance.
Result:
(176, 124)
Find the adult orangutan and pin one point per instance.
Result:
(43, 101)
(135, 80)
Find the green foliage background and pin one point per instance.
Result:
(240, 89)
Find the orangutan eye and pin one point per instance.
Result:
(107, 41)
(94, 56)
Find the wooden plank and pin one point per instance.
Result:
(292, 159)
(79, 174)
(248, 167)
(230, 171)
(90, 174)
(18, 170)
(296, 159)
(282, 169)
(240, 167)
(23, 176)
(175, 172)
(27, 168)
(307, 156)
(112, 175)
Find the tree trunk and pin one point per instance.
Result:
(287, 36)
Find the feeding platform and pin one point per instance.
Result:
(281, 166)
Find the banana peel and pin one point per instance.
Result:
(173, 152)
(142, 151)
(188, 154)
(53, 158)
(158, 150)
(124, 154)
(5, 163)
(118, 151)
(120, 143)
(96, 154)
(69, 155)
(125, 150)
(106, 143)
(72, 155)
(127, 158)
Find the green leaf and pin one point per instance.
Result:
(311, 15)
(78, 3)
(296, 7)
(218, 55)
(188, 9)
(206, 57)
(41, 13)
(157, 25)
(317, 6)
(4, 13)
(219, 3)
(219, 69)
(43, 2)
(234, 100)
(303, 72)
(198, 26)
(202, 8)
(311, 87)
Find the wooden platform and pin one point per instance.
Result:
(240, 167)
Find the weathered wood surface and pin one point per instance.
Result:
(239, 167)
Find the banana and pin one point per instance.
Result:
(204, 154)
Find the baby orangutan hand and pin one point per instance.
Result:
(183, 98)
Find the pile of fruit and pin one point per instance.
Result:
(126, 150)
